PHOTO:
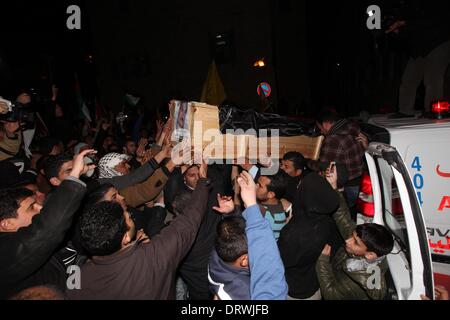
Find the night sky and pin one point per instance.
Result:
(317, 54)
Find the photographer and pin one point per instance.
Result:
(10, 133)
(18, 126)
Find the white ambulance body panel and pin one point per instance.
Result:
(424, 145)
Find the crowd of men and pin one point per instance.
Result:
(111, 206)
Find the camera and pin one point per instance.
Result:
(19, 113)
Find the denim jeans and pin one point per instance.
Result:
(351, 195)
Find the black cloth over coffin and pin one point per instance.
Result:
(233, 118)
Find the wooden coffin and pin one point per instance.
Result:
(202, 122)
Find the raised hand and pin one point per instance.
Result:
(140, 151)
(3, 106)
(79, 167)
(363, 140)
(142, 237)
(182, 153)
(246, 166)
(331, 175)
(166, 133)
(166, 152)
(440, 292)
(327, 251)
(248, 189)
(203, 170)
(226, 204)
(266, 161)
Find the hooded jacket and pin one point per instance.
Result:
(340, 146)
(303, 239)
(226, 281)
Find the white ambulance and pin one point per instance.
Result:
(407, 189)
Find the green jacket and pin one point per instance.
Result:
(348, 278)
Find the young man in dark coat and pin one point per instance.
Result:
(30, 233)
(124, 270)
(294, 164)
(194, 268)
(303, 238)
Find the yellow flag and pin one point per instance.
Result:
(213, 92)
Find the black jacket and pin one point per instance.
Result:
(24, 252)
(194, 268)
(198, 256)
(204, 243)
(293, 185)
(304, 237)
(151, 220)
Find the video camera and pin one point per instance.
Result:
(18, 112)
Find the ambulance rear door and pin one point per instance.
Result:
(410, 261)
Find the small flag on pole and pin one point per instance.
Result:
(130, 100)
(81, 104)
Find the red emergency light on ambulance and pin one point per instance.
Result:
(391, 197)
